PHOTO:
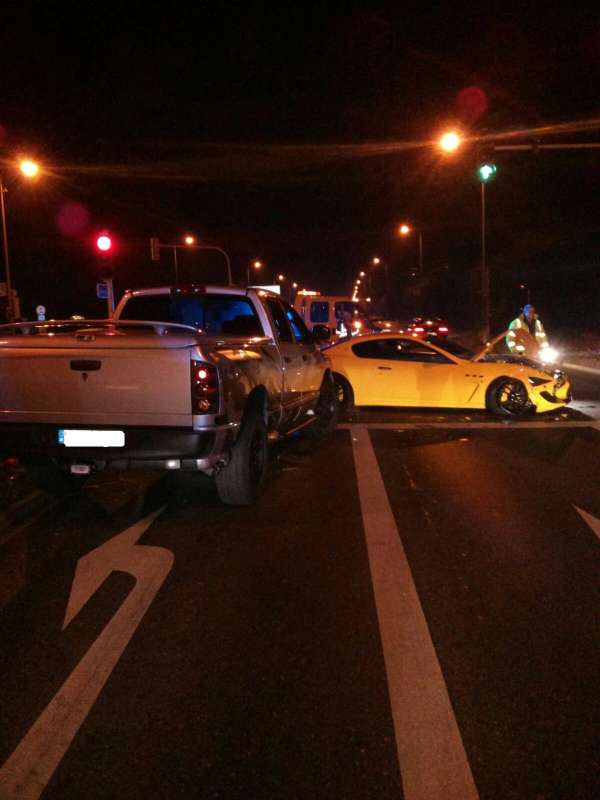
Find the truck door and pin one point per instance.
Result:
(293, 363)
(312, 358)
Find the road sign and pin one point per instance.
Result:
(102, 291)
(41, 312)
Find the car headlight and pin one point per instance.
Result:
(548, 355)
(535, 381)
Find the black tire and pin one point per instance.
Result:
(508, 397)
(239, 483)
(345, 395)
(326, 411)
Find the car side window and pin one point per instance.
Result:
(280, 321)
(399, 350)
(298, 327)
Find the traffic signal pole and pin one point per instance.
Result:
(485, 275)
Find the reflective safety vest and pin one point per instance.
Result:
(519, 333)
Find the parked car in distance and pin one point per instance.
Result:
(429, 327)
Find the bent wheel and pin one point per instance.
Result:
(240, 481)
(508, 397)
(326, 411)
(345, 395)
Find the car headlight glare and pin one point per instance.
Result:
(548, 355)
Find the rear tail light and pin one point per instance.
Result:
(418, 329)
(443, 329)
(205, 388)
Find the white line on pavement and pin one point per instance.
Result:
(433, 762)
(507, 426)
(581, 368)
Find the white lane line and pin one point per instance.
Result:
(591, 520)
(433, 762)
(507, 426)
(27, 772)
(581, 368)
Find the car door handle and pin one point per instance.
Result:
(86, 366)
(388, 368)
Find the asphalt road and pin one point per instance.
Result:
(410, 611)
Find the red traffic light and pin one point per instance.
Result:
(104, 243)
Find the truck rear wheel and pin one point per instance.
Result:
(51, 478)
(239, 482)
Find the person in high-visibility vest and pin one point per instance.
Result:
(526, 334)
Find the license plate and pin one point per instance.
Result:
(91, 438)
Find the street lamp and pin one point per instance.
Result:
(256, 264)
(449, 142)
(406, 230)
(30, 169)
(485, 172)
(189, 240)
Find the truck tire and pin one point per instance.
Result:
(326, 411)
(344, 392)
(54, 480)
(239, 483)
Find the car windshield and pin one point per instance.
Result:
(213, 314)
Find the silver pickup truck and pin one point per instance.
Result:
(182, 378)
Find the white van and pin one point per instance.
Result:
(329, 310)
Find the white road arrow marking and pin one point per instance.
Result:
(30, 767)
(592, 521)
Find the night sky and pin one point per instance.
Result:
(302, 136)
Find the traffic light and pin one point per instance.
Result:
(104, 244)
(486, 171)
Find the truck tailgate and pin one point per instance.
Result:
(137, 379)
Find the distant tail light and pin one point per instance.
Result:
(443, 329)
(418, 329)
(205, 388)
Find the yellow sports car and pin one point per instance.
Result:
(403, 370)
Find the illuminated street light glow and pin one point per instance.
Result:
(362, 274)
(449, 142)
(29, 168)
(189, 239)
(376, 261)
(281, 277)
(404, 229)
(257, 264)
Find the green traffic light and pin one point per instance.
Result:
(486, 172)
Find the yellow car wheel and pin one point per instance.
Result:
(508, 397)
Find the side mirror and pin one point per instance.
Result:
(320, 333)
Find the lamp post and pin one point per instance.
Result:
(30, 169)
(256, 265)
(189, 244)
(485, 173)
(406, 230)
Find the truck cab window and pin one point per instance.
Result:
(280, 322)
